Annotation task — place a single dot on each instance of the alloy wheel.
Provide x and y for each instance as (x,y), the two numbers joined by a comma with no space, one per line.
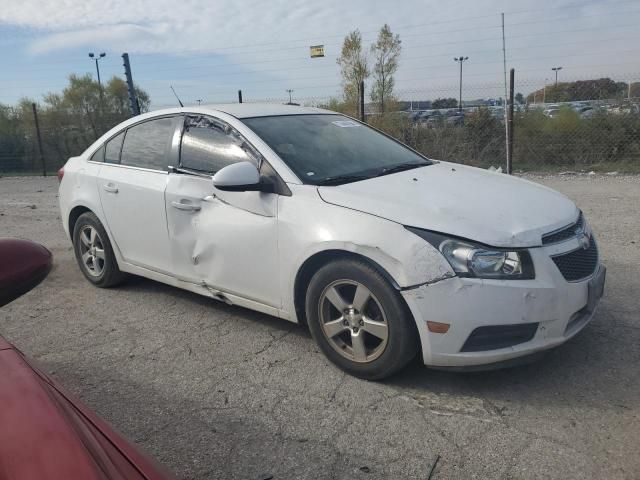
(353,321)
(91,251)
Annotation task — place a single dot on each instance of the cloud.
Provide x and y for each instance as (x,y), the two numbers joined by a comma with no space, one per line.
(263,45)
(121,35)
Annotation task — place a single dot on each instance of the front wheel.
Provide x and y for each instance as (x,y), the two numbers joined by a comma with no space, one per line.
(359,321)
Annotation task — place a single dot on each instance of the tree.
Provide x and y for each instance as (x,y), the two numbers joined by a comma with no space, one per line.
(353,68)
(596,89)
(69,122)
(444,103)
(386,52)
(519,98)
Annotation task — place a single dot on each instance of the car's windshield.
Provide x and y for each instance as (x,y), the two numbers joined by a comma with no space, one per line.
(333,149)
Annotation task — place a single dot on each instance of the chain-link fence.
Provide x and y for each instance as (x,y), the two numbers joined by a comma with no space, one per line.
(572,125)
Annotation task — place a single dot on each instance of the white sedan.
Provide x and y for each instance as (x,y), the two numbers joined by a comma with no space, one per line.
(316,218)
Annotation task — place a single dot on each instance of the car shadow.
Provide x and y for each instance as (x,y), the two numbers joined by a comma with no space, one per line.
(591,368)
(594,368)
(147,286)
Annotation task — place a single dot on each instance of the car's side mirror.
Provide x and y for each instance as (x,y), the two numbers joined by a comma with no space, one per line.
(23,265)
(237,177)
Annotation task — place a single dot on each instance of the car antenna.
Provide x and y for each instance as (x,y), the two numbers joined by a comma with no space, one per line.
(174,92)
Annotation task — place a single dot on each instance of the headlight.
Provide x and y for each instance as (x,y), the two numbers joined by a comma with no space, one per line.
(470,259)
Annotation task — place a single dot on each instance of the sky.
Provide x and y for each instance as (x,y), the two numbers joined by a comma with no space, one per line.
(207,50)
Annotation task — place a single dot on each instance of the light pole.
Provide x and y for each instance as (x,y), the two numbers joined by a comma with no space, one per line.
(96,58)
(289,91)
(556,69)
(460,60)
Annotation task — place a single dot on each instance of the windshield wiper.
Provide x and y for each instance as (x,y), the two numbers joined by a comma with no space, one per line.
(340,179)
(400,168)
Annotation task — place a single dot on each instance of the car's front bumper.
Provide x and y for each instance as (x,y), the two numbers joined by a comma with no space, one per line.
(560,308)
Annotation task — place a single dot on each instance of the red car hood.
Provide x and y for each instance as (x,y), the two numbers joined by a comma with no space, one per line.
(47,434)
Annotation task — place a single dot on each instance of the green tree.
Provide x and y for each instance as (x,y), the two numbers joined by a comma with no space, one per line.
(386,52)
(519,98)
(69,122)
(444,103)
(353,68)
(595,89)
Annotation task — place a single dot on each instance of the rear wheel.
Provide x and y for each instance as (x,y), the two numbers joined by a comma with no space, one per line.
(94,253)
(360,321)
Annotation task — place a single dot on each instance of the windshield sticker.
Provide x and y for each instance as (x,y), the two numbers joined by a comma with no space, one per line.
(346,123)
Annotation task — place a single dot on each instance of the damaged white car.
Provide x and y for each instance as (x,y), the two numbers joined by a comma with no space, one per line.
(316,218)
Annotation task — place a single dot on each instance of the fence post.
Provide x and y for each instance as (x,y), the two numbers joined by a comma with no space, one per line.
(361,102)
(510,123)
(239,96)
(35,117)
(133,99)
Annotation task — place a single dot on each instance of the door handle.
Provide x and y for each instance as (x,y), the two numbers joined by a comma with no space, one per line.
(110,187)
(188,207)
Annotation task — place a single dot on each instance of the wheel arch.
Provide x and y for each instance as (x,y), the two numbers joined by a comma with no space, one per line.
(319,259)
(74,214)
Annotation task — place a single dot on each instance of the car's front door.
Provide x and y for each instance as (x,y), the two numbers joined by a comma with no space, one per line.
(226,241)
(131,182)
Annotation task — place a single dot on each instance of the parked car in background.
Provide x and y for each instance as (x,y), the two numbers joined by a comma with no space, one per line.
(551,111)
(47,433)
(316,218)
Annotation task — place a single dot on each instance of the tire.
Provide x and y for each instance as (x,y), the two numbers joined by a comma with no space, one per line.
(94,253)
(354,339)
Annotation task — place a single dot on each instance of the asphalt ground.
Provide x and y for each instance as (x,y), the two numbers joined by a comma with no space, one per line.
(214,391)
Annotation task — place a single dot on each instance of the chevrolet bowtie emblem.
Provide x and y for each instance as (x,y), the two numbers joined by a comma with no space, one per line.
(584,240)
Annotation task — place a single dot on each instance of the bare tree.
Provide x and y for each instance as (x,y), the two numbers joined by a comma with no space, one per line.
(386,52)
(353,67)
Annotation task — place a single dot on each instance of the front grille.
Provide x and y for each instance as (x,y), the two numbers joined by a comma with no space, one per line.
(493,337)
(578,264)
(564,233)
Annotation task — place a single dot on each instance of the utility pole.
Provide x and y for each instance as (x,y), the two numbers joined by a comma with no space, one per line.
(460,60)
(544,91)
(504,70)
(556,69)
(289,91)
(133,100)
(239,96)
(510,123)
(35,118)
(361,102)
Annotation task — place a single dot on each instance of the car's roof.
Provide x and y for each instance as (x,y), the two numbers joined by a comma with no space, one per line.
(247,110)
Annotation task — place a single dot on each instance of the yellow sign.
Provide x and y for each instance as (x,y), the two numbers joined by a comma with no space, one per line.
(317,51)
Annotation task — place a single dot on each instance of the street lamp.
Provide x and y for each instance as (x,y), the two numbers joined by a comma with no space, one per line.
(460,59)
(556,69)
(289,91)
(96,58)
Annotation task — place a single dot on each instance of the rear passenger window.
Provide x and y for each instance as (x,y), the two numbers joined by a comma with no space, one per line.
(147,144)
(209,144)
(112,149)
(98,155)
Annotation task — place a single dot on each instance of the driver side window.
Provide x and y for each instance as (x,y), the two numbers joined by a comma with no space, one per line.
(209,144)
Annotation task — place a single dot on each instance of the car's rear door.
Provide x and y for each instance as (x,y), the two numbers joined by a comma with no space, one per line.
(131,182)
(224,240)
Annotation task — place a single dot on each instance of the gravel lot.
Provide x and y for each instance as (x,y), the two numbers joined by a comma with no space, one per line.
(214,391)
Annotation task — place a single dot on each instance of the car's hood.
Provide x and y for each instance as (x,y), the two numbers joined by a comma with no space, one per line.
(46,433)
(491,208)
